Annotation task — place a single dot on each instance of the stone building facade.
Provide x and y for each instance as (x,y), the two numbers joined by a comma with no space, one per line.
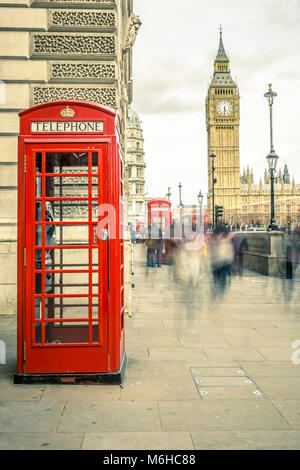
(244,202)
(255,199)
(52,50)
(135,169)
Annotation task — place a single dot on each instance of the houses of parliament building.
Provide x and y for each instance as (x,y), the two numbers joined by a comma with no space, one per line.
(244,201)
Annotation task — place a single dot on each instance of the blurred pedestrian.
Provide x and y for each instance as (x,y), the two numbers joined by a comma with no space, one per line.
(221,256)
(151,247)
(159,243)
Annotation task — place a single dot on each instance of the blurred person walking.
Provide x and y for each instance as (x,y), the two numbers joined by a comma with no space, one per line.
(151,247)
(221,256)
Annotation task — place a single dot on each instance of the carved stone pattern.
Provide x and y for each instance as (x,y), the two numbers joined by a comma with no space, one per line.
(83,70)
(82,18)
(75,209)
(79,44)
(75,1)
(106,96)
(79,169)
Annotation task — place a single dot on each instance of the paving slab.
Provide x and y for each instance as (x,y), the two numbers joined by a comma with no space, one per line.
(175,354)
(202,341)
(40,441)
(30,416)
(220,415)
(217,372)
(140,368)
(97,392)
(159,388)
(238,332)
(138,441)
(271,316)
(280,388)
(240,380)
(232,309)
(286,332)
(250,440)
(163,314)
(234,354)
(290,410)
(188,323)
(117,417)
(177,332)
(12,392)
(259,341)
(137,350)
(148,323)
(271,369)
(286,323)
(163,342)
(243,324)
(276,354)
(173,338)
(230,393)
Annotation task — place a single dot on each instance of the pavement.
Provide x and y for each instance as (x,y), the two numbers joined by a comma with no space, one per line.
(202,373)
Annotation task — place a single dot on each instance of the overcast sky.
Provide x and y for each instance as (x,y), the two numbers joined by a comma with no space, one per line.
(173,61)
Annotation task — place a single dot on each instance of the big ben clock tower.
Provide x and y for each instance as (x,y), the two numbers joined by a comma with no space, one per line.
(222,123)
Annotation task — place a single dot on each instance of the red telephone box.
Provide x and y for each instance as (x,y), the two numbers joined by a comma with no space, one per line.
(70,245)
(160,215)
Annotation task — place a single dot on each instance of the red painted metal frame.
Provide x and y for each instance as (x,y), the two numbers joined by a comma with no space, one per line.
(107,355)
(164,212)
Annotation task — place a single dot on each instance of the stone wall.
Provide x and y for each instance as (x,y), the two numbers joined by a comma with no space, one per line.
(265,252)
(52,50)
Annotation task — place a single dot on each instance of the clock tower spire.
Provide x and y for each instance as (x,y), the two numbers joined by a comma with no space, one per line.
(222,124)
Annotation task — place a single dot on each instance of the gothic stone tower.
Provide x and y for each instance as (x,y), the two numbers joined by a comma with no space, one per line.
(222,123)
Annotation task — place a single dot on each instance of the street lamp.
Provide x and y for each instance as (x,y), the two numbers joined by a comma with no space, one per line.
(213,156)
(272,158)
(200,200)
(180,203)
(169,193)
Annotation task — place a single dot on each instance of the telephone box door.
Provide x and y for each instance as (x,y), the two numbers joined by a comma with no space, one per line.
(66,298)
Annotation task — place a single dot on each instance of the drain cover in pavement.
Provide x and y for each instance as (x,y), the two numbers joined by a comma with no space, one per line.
(224,383)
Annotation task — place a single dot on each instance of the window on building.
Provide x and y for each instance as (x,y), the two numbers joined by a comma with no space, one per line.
(139,188)
(139,206)
(129,145)
(139,172)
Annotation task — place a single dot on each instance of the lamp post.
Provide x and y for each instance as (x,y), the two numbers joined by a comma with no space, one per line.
(200,200)
(272,158)
(169,193)
(213,156)
(180,203)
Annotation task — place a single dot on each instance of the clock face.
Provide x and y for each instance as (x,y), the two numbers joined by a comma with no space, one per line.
(224,108)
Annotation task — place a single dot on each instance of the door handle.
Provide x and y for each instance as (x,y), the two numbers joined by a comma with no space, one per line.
(104,235)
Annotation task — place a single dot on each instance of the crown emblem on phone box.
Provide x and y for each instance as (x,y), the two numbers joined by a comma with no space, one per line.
(67,112)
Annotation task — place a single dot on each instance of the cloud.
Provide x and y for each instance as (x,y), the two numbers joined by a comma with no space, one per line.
(173,63)
(166,86)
